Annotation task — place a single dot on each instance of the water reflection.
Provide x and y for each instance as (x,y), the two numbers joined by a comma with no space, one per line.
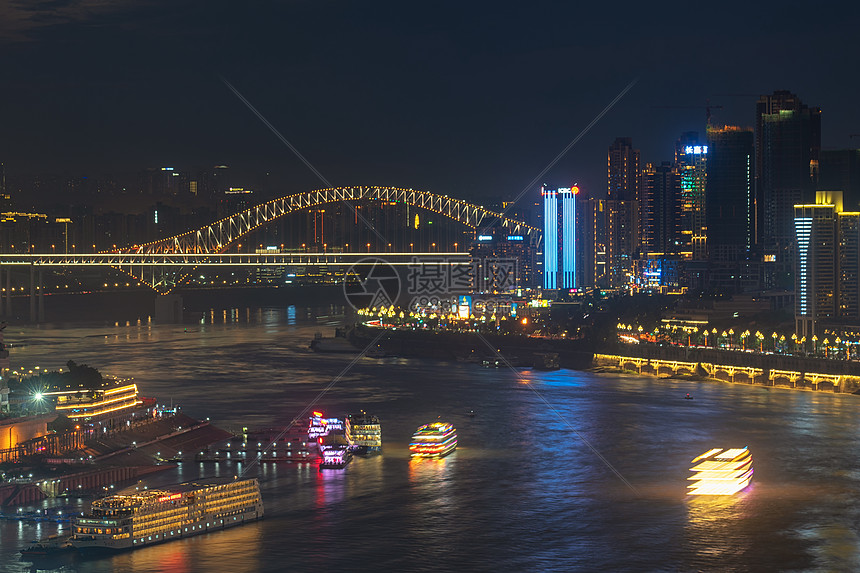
(526,494)
(330,487)
(432,480)
(715,526)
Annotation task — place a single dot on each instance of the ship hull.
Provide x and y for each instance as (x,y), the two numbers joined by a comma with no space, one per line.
(100,546)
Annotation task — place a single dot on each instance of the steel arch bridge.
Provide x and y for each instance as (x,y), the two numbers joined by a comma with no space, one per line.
(217,237)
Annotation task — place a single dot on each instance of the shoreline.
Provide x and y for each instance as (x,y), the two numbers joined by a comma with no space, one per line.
(749,376)
(576,355)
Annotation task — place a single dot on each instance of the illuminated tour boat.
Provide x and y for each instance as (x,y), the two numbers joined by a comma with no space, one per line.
(127,521)
(363,432)
(320,426)
(334,451)
(433,440)
(721,472)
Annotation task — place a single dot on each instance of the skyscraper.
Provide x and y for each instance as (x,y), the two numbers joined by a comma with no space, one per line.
(788,143)
(591,224)
(661,209)
(560,245)
(729,193)
(691,161)
(827,285)
(624,182)
(815,275)
(550,238)
(624,177)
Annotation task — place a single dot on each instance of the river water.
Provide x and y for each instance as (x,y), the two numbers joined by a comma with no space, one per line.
(556,471)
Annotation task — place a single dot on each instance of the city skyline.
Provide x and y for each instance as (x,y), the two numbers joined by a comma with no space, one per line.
(483,99)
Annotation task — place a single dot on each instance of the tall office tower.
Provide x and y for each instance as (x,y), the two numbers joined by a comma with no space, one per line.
(559,236)
(550,238)
(788,143)
(729,192)
(661,208)
(624,183)
(840,169)
(691,161)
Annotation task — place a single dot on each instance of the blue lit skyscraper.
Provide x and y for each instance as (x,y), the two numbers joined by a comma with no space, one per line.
(550,238)
(559,236)
(568,236)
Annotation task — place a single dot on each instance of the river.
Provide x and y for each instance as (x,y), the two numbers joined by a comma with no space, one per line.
(556,471)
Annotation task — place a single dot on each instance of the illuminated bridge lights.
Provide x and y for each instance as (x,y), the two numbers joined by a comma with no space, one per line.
(721,472)
(216,237)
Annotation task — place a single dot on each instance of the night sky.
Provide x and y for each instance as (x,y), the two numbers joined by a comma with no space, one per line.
(462,98)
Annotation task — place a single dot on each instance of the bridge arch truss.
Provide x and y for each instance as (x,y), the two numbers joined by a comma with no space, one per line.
(218,236)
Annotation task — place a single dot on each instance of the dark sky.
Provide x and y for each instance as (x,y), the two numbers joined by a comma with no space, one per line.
(471,99)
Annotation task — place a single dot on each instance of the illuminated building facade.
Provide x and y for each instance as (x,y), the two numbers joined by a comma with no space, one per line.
(501,261)
(560,244)
(691,163)
(826,265)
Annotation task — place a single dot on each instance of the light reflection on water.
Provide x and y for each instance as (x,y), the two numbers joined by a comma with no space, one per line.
(522,491)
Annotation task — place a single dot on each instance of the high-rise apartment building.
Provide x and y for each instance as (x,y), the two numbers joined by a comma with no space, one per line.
(729,208)
(788,143)
(828,255)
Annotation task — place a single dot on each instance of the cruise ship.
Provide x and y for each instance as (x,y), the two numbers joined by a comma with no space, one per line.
(721,472)
(127,521)
(434,440)
(363,432)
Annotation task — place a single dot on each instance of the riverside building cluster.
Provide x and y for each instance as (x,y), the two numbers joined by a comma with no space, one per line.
(758,210)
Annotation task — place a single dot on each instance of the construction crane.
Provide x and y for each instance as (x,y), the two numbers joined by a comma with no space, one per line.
(707,107)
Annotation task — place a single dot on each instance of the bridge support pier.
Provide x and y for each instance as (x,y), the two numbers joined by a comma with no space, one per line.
(168,309)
